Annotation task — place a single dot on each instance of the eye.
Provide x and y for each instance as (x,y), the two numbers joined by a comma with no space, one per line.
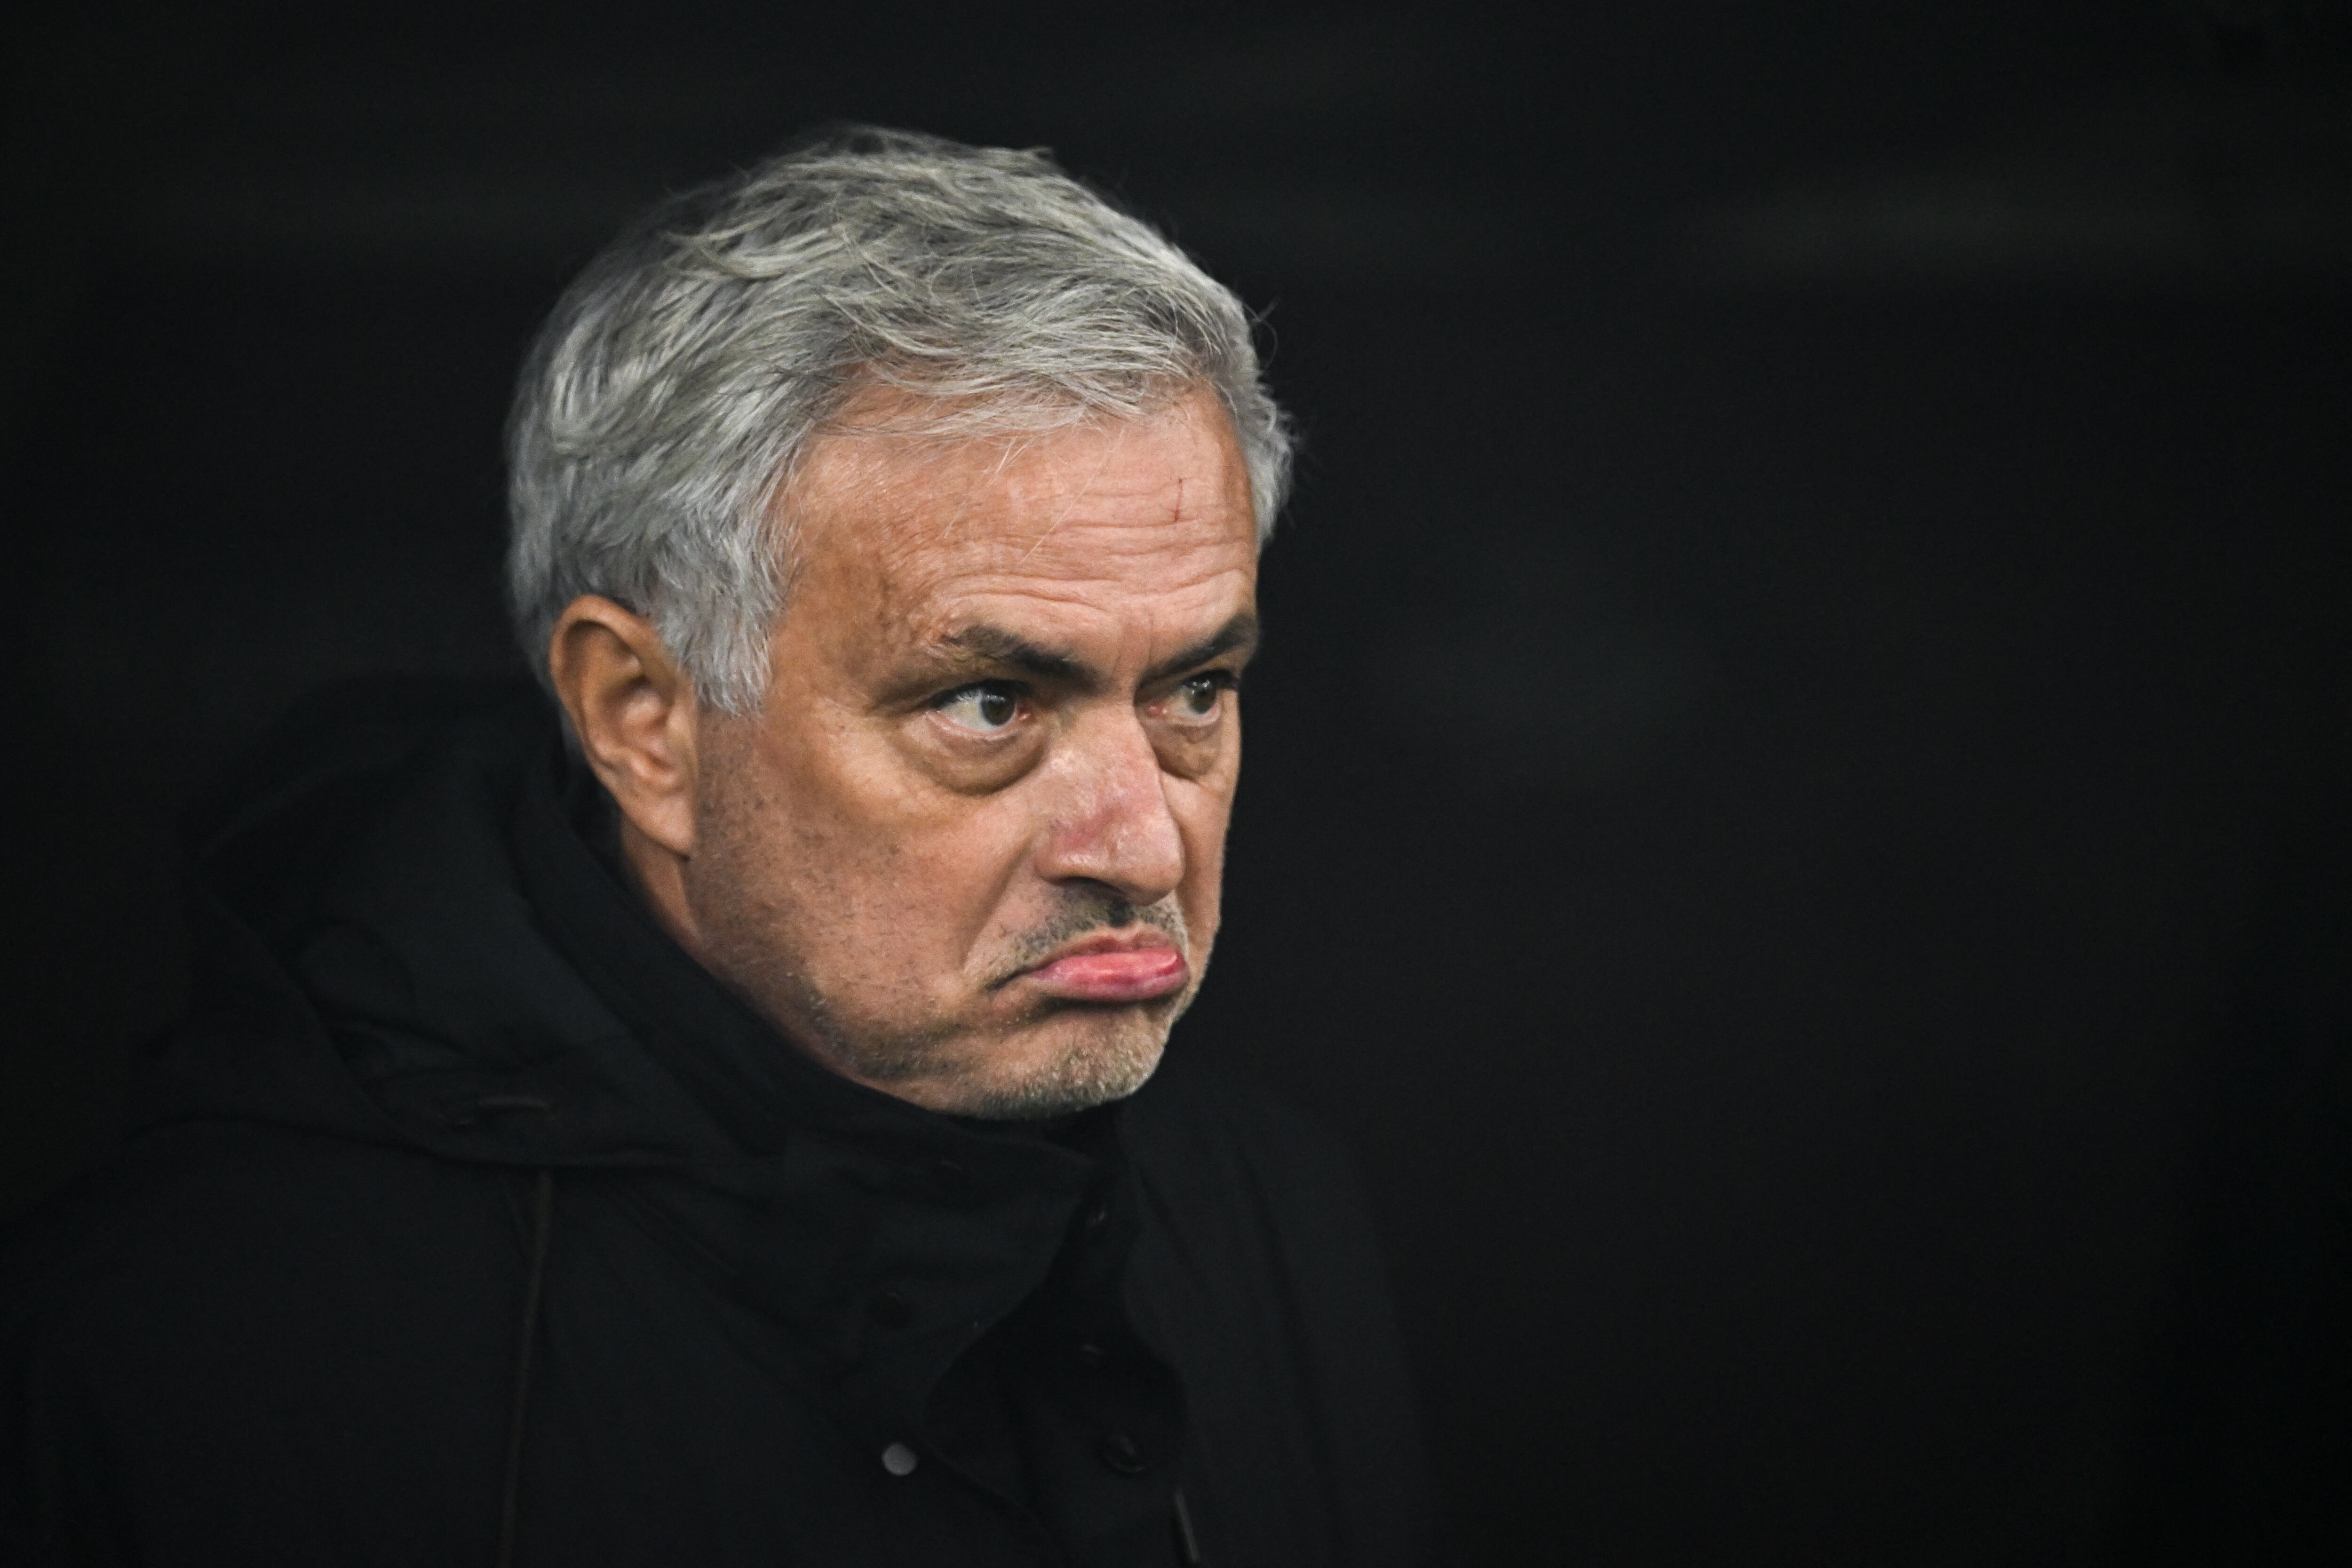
(1198,698)
(984,708)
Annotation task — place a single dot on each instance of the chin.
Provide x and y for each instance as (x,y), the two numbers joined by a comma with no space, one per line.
(1072,1060)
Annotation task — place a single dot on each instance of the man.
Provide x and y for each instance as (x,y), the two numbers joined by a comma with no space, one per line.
(713,1126)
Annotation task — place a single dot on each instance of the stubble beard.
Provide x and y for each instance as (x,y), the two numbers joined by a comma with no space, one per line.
(947,1064)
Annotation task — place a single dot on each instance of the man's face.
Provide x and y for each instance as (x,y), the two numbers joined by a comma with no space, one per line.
(969,850)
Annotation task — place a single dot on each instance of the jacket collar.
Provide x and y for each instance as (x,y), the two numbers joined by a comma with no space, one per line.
(891,1237)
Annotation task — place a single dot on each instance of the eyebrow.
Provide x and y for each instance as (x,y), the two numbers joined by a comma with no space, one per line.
(1240,633)
(997,646)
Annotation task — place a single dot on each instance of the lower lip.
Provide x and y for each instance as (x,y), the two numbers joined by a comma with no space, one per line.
(1137,976)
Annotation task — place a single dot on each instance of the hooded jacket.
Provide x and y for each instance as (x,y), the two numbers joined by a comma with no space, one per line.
(469,1220)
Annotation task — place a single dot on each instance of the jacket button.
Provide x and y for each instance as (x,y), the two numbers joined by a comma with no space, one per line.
(1098,1215)
(1090,1354)
(1120,1455)
(899,1459)
(890,1310)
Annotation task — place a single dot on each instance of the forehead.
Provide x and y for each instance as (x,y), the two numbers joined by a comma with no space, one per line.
(1146,519)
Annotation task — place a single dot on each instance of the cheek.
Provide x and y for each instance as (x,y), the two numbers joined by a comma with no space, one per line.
(784,833)
(1202,815)
(891,868)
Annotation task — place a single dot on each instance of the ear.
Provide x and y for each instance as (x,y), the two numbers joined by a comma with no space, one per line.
(634,712)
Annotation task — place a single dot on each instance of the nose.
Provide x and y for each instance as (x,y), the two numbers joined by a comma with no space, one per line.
(1110,819)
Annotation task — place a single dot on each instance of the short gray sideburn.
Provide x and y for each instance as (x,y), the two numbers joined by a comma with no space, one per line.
(679,378)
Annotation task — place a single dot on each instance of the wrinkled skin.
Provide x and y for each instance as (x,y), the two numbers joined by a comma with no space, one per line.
(1001,725)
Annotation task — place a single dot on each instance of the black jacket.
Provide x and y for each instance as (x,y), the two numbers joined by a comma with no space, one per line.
(470,1217)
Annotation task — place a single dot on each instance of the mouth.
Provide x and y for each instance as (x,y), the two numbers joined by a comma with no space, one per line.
(1112,968)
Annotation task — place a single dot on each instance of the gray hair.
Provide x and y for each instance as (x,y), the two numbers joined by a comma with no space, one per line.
(680,378)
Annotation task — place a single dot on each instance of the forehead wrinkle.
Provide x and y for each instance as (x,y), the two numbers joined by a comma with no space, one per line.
(1060,616)
(1118,438)
(935,559)
(906,469)
(908,485)
(1007,449)
(1080,563)
(1091,583)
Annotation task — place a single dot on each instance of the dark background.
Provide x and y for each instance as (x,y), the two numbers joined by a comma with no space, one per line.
(1796,804)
